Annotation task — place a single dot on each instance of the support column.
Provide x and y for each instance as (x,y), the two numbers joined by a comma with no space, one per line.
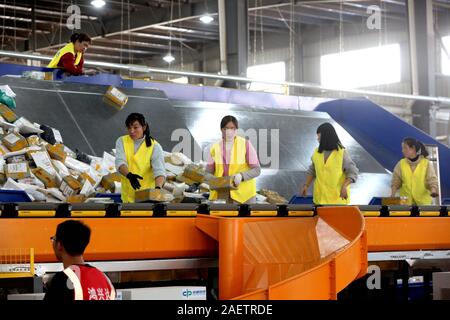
(236,39)
(423,64)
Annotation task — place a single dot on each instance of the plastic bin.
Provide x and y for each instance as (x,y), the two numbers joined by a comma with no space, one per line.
(115,196)
(297,199)
(13,196)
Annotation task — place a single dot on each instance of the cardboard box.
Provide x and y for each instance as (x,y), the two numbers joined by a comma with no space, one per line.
(79,198)
(7,113)
(221,183)
(14,141)
(57,152)
(47,179)
(394,201)
(70,186)
(108,181)
(17,170)
(34,141)
(115,98)
(153,195)
(83,177)
(194,173)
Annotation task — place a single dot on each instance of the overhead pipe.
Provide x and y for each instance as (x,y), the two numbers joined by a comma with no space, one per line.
(146,69)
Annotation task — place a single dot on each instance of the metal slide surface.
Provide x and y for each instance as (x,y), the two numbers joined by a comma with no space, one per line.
(88,124)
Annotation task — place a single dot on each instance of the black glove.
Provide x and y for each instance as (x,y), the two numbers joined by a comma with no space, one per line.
(134,180)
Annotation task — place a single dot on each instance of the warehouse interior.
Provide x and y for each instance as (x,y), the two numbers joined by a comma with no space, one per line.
(377,70)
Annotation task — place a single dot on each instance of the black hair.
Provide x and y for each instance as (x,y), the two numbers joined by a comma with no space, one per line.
(226,120)
(80,37)
(329,139)
(74,236)
(139,117)
(418,145)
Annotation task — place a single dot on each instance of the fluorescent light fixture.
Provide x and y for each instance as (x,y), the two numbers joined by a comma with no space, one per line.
(169,58)
(206,18)
(98,3)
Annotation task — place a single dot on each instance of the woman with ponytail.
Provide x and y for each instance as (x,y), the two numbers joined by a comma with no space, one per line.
(139,158)
(70,57)
(414,175)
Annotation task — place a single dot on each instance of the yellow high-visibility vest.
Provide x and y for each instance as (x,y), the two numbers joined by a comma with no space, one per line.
(413,183)
(137,163)
(68,48)
(238,164)
(330,178)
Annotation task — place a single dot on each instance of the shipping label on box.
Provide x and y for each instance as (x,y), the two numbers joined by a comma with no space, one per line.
(70,186)
(15,142)
(17,170)
(115,98)
(42,160)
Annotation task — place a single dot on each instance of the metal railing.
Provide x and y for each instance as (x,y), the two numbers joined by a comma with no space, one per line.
(204,75)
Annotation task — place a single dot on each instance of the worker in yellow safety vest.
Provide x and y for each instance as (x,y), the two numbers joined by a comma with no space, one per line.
(139,159)
(70,58)
(332,168)
(235,157)
(414,175)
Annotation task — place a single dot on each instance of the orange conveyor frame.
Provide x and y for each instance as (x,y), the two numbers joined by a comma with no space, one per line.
(228,238)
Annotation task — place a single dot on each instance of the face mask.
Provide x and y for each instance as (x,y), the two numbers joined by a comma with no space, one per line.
(230,134)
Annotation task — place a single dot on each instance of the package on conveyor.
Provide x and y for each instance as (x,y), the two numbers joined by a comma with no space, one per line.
(392,201)
(272,196)
(57,152)
(222,183)
(79,198)
(14,141)
(46,178)
(17,170)
(152,195)
(7,113)
(176,159)
(70,186)
(26,127)
(115,98)
(194,173)
(51,135)
(34,192)
(108,181)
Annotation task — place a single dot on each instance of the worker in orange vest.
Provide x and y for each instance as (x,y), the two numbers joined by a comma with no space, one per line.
(70,58)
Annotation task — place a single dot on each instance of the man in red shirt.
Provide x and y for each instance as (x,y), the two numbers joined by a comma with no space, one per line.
(70,58)
(79,280)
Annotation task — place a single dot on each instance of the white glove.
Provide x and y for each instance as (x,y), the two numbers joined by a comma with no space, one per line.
(237,179)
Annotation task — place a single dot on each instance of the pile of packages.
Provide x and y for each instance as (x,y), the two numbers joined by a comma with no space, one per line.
(33,158)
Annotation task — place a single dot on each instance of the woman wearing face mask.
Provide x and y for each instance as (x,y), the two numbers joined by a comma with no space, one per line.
(70,57)
(234,156)
(139,158)
(414,175)
(332,168)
